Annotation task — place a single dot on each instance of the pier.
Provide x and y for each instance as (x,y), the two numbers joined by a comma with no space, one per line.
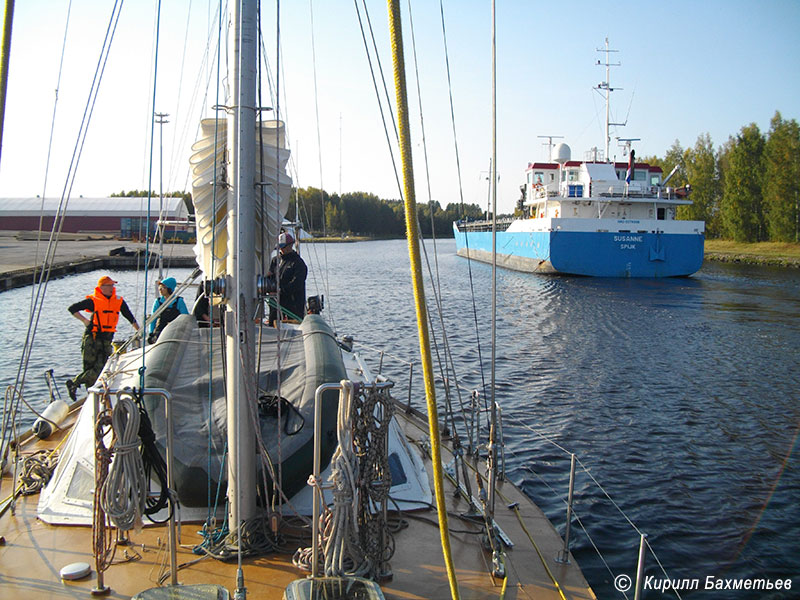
(21,256)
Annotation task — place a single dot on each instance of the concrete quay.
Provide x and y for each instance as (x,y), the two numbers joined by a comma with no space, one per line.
(78,253)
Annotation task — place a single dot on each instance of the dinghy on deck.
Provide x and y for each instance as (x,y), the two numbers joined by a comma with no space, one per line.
(179,363)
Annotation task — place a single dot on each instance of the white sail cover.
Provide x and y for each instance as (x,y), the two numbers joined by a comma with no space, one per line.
(211,199)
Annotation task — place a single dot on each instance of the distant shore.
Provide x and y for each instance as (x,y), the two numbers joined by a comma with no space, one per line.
(773,254)
(79,253)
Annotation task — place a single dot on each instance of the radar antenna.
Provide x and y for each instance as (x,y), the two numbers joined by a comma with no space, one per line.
(549,143)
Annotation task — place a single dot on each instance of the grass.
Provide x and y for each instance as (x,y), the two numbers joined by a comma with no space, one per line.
(785,253)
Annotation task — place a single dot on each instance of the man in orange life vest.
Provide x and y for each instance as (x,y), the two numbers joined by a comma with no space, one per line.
(105,307)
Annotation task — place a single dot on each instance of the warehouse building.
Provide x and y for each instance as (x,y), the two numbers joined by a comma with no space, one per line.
(121,216)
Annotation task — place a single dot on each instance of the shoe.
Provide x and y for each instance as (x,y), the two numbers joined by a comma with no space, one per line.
(71,389)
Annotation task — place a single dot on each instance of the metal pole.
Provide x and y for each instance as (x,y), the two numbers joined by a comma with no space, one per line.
(410,381)
(640,567)
(492,174)
(317,443)
(5,60)
(563,556)
(100,588)
(161,118)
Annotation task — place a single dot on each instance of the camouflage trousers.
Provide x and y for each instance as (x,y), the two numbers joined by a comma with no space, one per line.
(95,351)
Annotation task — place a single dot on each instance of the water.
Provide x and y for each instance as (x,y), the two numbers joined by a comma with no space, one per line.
(680,396)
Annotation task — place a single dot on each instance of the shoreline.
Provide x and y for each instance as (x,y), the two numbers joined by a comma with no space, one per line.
(89,253)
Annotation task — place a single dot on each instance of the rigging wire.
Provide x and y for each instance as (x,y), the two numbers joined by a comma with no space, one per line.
(380,104)
(150,180)
(461,194)
(10,417)
(435,281)
(325,269)
(49,150)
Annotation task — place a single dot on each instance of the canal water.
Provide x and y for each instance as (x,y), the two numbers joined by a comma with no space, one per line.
(678,397)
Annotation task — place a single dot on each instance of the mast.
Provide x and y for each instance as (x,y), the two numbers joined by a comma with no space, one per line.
(606,85)
(5,59)
(239,328)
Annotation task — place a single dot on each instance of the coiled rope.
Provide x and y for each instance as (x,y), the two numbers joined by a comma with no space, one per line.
(356,538)
(124,491)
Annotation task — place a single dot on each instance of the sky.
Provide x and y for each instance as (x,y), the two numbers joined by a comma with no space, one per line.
(686,68)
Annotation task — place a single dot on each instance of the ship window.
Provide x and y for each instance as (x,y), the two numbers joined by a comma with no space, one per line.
(552,177)
(538,178)
(655,180)
(575,191)
(573,175)
(661,214)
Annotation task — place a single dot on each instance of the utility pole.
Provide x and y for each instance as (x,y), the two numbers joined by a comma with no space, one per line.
(161,118)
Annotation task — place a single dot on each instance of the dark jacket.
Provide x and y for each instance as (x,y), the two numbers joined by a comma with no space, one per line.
(292,273)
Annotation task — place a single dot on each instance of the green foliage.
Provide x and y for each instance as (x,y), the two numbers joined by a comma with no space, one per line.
(741,208)
(700,168)
(781,187)
(363,213)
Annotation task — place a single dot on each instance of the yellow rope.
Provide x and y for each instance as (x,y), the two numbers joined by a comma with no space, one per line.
(395,30)
(539,552)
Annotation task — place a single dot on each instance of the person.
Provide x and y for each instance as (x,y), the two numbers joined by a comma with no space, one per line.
(177,307)
(288,269)
(202,309)
(105,307)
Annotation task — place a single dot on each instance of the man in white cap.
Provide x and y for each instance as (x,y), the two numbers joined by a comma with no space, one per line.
(105,307)
(290,278)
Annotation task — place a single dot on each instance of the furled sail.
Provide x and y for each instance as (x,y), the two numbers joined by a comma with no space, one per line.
(211,196)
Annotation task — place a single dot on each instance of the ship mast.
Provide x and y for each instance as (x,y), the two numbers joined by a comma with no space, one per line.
(239,327)
(606,85)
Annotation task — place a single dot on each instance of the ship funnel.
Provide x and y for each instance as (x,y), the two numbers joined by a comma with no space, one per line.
(561,153)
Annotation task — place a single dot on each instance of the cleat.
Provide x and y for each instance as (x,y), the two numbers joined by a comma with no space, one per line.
(71,389)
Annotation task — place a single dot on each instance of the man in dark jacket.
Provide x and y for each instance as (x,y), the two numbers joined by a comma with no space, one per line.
(105,307)
(288,269)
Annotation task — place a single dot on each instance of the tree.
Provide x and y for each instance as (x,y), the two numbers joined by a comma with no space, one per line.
(782,179)
(675,156)
(700,166)
(741,210)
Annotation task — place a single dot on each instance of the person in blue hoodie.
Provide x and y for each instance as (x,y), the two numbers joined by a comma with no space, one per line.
(177,307)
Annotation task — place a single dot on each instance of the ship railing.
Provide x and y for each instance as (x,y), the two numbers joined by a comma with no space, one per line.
(623,583)
(482,225)
(475,423)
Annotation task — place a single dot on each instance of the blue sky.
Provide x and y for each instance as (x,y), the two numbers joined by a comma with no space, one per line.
(687,68)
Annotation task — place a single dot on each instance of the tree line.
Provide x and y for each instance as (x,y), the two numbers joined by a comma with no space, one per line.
(364,213)
(748,189)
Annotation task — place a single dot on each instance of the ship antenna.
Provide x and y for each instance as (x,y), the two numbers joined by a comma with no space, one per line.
(606,85)
(549,143)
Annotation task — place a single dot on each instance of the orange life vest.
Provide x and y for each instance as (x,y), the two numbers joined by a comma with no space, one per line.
(106,311)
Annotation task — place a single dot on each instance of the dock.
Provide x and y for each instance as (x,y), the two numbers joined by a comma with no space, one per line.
(21,256)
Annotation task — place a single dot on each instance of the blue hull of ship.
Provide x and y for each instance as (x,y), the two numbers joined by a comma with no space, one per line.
(596,254)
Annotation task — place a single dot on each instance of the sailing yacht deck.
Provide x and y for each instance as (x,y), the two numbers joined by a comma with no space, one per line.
(34,552)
